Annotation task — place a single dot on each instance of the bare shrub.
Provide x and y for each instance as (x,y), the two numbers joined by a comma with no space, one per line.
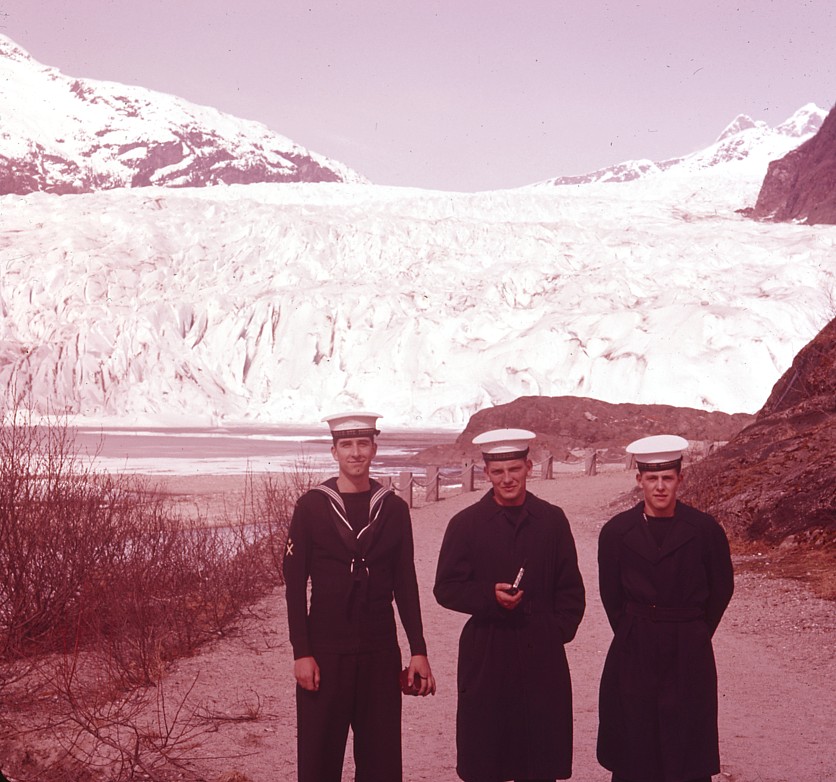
(61,536)
(269,508)
(94,731)
(102,584)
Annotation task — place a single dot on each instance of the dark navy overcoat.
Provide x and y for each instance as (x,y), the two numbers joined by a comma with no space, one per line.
(514,718)
(658,694)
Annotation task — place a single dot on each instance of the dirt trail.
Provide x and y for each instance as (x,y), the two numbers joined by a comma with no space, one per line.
(775,653)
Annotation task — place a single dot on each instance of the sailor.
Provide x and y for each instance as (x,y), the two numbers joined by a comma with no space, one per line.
(350,539)
(666,578)
(509,561)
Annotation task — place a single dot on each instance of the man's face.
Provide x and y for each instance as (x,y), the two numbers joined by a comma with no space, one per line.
(354,455)
(508,479)
(660,490)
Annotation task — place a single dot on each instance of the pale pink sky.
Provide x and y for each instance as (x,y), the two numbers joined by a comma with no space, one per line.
(461,94)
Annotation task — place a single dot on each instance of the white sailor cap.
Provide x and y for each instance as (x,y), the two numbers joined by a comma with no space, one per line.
(504,444)
(659,452)
(360,424)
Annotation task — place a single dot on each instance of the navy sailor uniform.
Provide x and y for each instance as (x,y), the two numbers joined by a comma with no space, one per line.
(349,627)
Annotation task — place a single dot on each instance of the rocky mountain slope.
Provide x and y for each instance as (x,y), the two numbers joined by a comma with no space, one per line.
(776,479)
(62,135)
(801,186)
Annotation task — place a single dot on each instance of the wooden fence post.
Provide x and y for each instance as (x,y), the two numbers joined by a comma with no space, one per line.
(432,484)
(591,464)
(548,468)
(467,477)
(405,487)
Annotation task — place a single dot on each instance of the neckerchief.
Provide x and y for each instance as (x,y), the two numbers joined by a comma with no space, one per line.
(360,543)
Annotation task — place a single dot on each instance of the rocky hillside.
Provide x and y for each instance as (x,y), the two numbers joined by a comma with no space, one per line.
(801,186)
(776,479)
(568,427)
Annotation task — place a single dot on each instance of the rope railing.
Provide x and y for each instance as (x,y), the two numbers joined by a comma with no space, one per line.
(434,480)
(468,481)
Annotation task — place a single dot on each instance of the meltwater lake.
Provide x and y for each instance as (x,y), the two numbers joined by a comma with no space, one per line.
(238,449)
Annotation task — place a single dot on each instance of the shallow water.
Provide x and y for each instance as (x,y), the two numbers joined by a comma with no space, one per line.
(237,450)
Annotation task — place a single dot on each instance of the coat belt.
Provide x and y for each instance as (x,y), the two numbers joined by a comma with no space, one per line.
(664,613)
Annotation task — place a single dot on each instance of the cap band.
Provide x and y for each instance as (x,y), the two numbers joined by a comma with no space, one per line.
(659,466)
(505,456)
(342,434)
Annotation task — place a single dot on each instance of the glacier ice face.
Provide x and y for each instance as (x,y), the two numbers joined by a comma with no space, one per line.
(272,303)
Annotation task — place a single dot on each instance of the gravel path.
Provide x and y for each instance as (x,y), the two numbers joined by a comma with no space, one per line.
(775,653)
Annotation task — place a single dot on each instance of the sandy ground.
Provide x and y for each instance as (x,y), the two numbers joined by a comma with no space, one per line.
(775,656)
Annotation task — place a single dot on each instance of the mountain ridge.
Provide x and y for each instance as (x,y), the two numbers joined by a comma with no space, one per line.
(66,135)
(743,139)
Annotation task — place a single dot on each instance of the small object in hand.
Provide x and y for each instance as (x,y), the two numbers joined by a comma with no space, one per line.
(416,683)
(515,587)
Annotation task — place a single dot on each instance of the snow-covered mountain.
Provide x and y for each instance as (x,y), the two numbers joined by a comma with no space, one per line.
(60,134)
(801,186)
(279,302)
(744,138)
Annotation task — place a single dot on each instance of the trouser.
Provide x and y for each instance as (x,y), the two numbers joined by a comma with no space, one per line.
(360,691)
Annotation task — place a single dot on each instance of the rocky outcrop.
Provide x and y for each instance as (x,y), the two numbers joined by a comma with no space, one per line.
(801,186)
(567,426)
(776,479)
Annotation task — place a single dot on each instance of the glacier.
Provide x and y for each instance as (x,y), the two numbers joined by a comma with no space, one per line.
(279,303)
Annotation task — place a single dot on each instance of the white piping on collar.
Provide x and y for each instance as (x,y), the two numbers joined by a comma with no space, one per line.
(375,505)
